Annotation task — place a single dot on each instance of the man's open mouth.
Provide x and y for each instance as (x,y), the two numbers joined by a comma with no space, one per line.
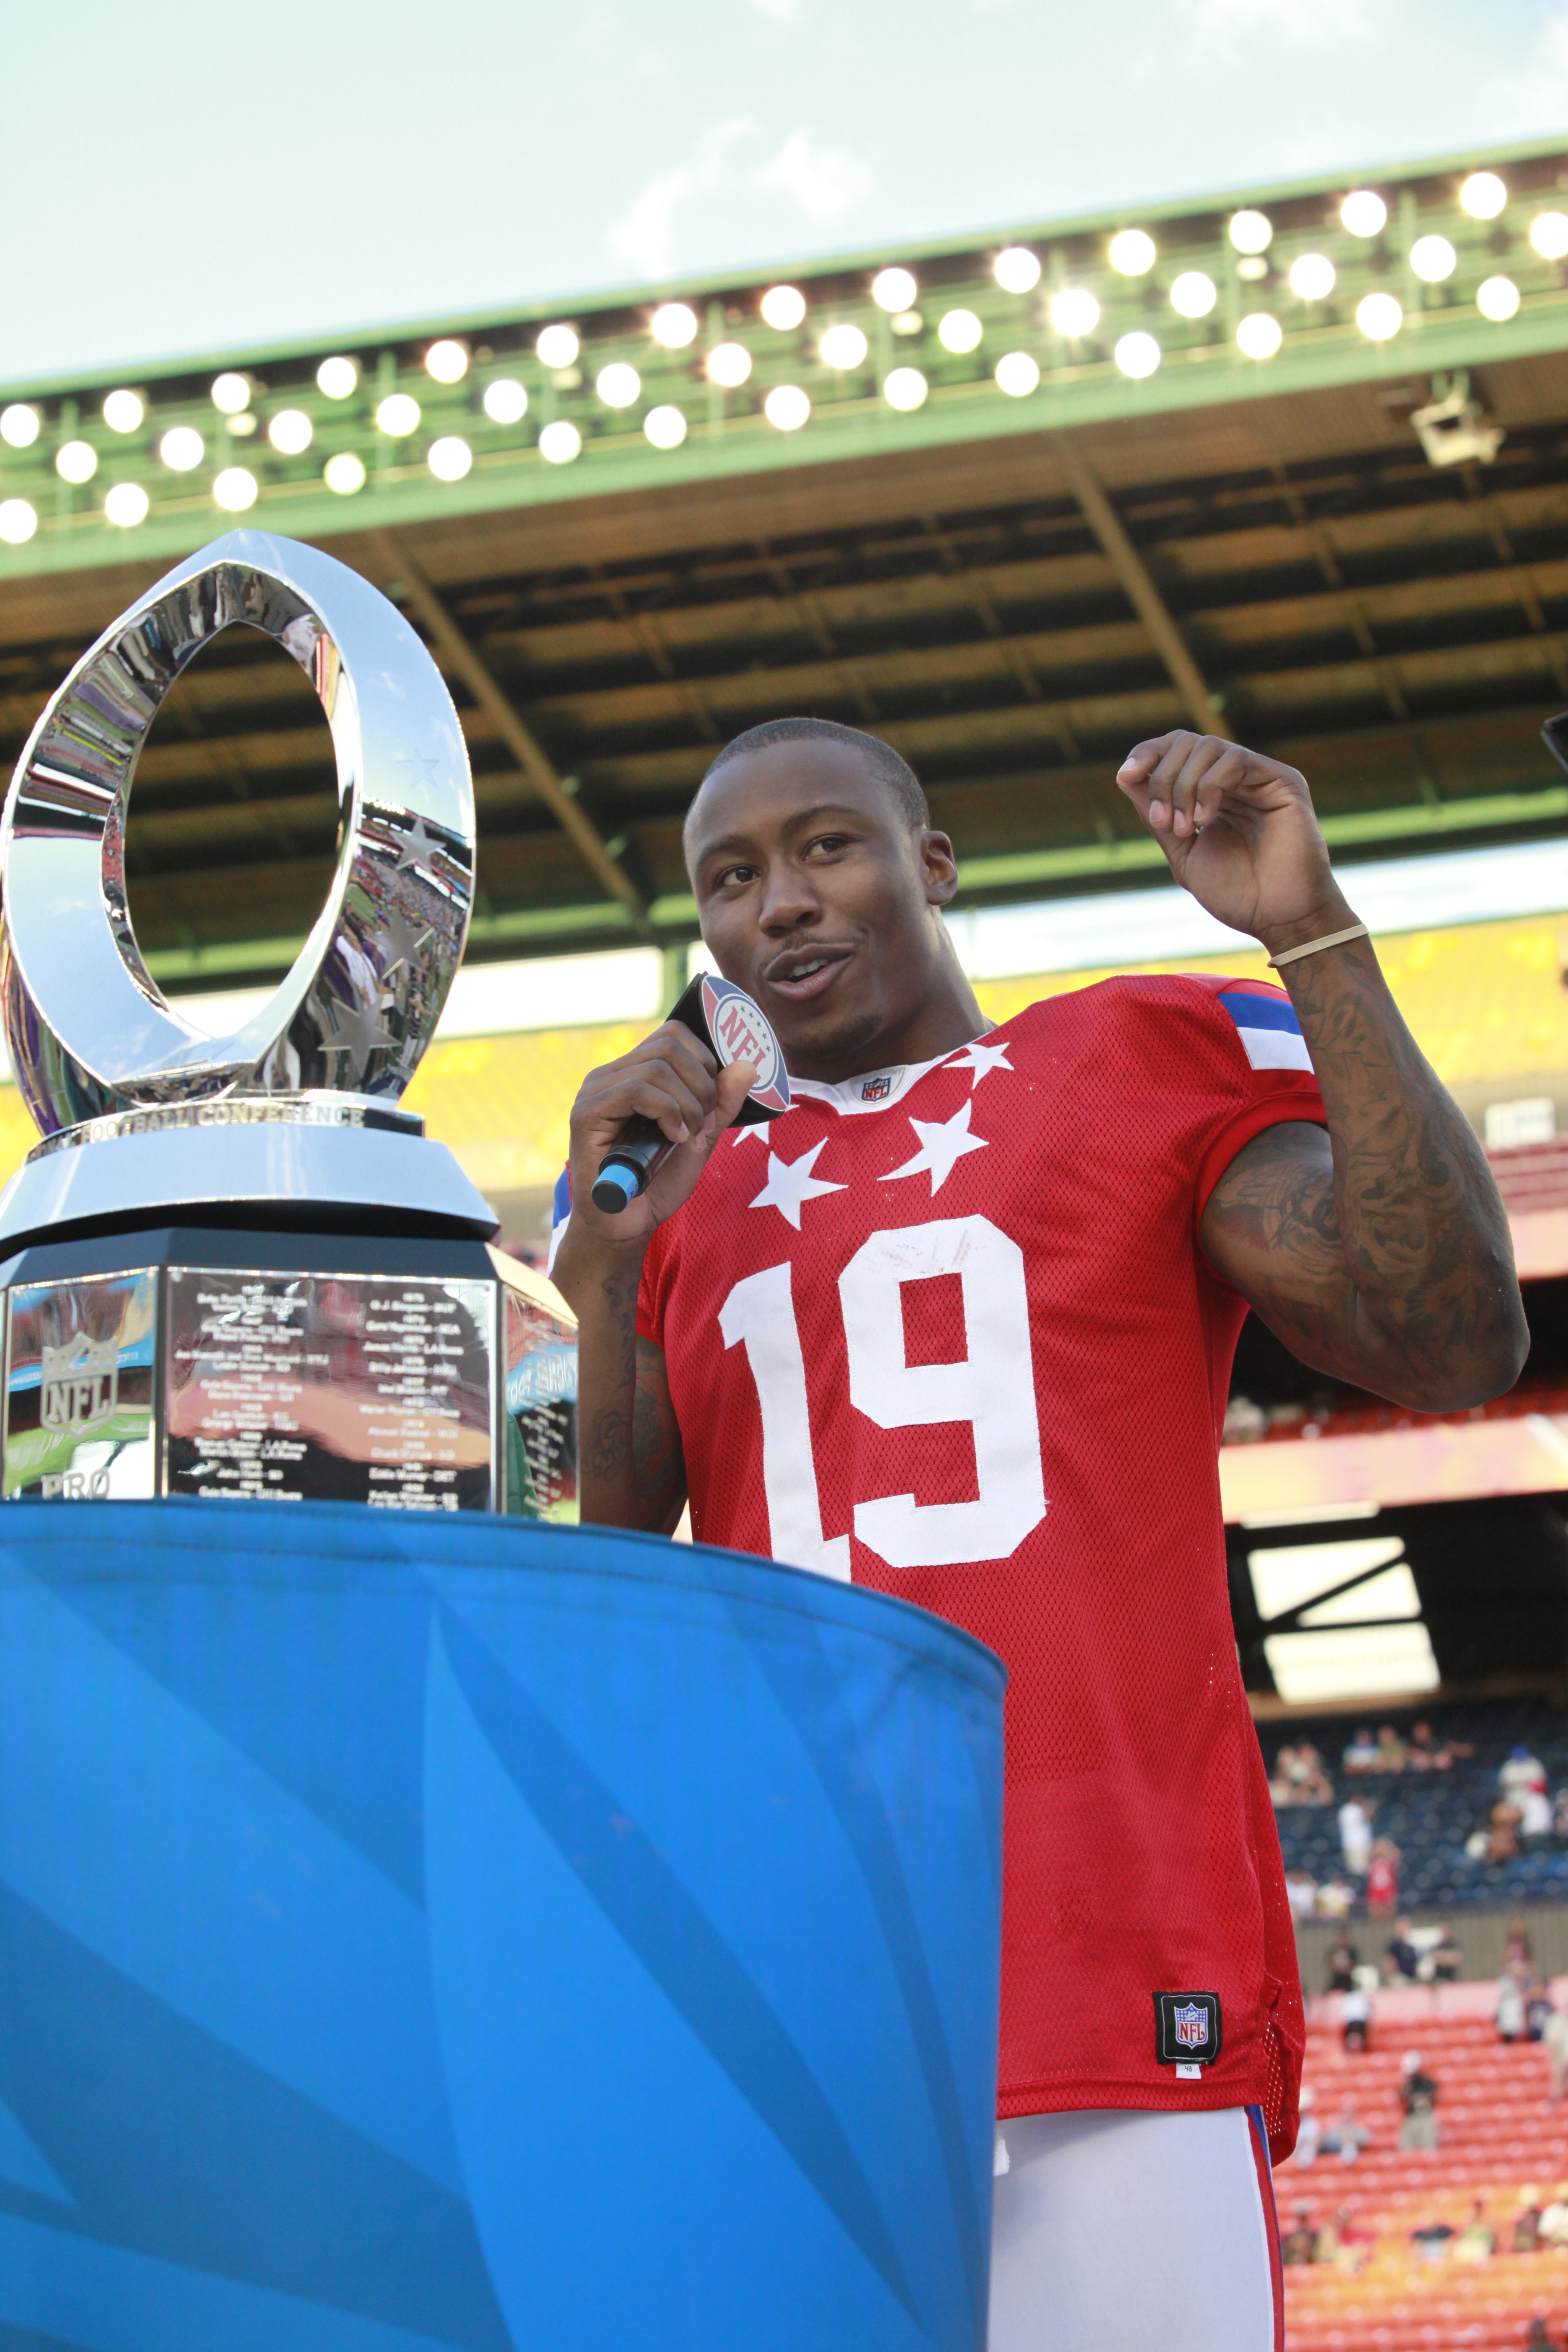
(806,972)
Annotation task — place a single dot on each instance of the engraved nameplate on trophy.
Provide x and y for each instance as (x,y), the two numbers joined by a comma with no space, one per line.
(539,1354)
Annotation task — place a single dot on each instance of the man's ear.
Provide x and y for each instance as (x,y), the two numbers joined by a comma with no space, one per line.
(939,866)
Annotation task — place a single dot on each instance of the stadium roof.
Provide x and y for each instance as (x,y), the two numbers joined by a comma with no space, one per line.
(1011,587)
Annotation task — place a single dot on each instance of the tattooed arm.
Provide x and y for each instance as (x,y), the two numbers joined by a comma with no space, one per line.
(1379,1253)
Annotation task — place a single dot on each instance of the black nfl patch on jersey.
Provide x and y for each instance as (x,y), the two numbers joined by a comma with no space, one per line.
(1186,2028)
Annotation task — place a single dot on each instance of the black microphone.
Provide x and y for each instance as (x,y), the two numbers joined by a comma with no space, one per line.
(726,1019)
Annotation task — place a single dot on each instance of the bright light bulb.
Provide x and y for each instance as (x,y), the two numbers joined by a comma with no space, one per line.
(244,425)
(449,458)
(1549,236)
(959,331)
(19,425)
(1312,277)
(1132,252)
(1074,312)
(557,348)
(905,388)
(893,289)
(1379,316)
(783,306)
(1363,212)
(665,427)
(336,378)
(231,392)
(290,432)
(448,361)
(181,448)
(560,442)
(345,473)
(506,401)
(1018,269)
(77,462)
(126,505)
(728,364)
(674,324)
(123,412)
(1260,335)
(1137,354)
(1017,374)
(1251,232)
(398,415)
(18,521)
(618,385)
(1433,259)
(1193,294)
(1497,298)
(1483,195)
(843,347)
(235,488)
(787,407)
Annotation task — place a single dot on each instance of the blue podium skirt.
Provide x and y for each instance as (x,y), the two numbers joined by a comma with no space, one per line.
(478,1934)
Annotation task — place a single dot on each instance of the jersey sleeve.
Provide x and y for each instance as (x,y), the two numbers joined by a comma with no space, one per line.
(1261,1046)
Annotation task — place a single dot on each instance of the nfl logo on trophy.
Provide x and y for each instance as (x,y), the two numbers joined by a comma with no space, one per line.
(80,1383)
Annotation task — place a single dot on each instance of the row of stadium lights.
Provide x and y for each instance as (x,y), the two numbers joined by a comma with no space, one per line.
(1074,312)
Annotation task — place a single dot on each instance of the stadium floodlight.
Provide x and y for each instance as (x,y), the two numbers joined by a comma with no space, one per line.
(728,364)
(230,391)
(122,411)
(1260,335)
(1018,269)
(560,442)
(1433,259)
(337,377)
(1312,277)
(506,400)
(18,521)
(557,348)
(1498,298)
(1483,195)
(787,407)
(126,505)
(958,330)
(893,289)
(77,461)
(905,388)
(1251,232)
(1074,312)
(345,473)
(674,324)
(1193,294)
(290,432)
(618,385)
(398,415)
(448,361)
(1379,316)
(783,307)
(181,448)
(235,488)
(665,426)
(449,458)
(1549,236)
(244,425)
(1018,374)
(1363,212)
(1137,354)
(19,425)
(844,347)
(1131,252)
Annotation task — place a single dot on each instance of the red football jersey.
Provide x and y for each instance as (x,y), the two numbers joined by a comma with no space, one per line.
(949,1331)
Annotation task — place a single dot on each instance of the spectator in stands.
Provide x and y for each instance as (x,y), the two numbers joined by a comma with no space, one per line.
(1308,1779)
(1519,1952)
(1511,1995)
(1431,2239)
(1344,2241)
(1299,2244)
(1560,1816)
(1426,1754)
(1355,2009)
(1526,2238)
(1444,1958)
(1521,1771)
(1300,1893)
(1361,1756)
(1554,2033)
(1390,1750)
(1418,2098)
(1555,2217)
(1355,1835)
(1310,2129)
(1477,2242)
(1499,1842)
(1335,1899)
(1341,1963)
(1383,1877)
(1347,2135)
(1401,1957)
(1538,2339)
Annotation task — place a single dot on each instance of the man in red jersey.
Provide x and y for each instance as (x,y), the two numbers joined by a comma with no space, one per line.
(960,1326)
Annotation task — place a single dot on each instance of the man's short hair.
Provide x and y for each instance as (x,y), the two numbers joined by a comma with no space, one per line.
(881,759)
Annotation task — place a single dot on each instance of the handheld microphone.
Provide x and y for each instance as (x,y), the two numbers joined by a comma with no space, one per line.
(725,1018)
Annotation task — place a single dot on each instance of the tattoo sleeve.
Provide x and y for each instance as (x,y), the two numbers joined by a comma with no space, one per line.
(631,1471)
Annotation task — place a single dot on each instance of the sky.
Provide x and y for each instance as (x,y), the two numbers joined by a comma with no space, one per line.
(193,179)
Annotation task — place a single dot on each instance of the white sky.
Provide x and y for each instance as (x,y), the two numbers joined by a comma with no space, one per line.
(192,178)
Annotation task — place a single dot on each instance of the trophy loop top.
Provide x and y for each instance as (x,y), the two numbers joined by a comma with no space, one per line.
(89,1030)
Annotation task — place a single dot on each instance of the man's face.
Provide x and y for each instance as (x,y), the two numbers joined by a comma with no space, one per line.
(817,896)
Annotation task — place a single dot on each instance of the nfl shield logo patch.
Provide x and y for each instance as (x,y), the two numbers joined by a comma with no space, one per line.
(1186,2028)
(1192,2026)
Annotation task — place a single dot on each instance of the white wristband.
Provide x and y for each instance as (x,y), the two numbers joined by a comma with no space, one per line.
(1315,947)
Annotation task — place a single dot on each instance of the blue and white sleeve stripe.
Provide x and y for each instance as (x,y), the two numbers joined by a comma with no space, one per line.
(560,1216)
(1269,1032)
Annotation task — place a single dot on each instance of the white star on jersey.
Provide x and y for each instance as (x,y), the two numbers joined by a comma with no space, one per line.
(982,1059)
(943,1143)
(791,1183)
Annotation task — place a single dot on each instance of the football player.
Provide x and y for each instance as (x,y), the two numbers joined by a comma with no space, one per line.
(959,1326)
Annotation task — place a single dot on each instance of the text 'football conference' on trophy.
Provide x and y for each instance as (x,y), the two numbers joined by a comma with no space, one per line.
(233,1265)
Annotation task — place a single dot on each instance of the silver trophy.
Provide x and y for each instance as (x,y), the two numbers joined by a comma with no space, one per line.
(233,1265)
